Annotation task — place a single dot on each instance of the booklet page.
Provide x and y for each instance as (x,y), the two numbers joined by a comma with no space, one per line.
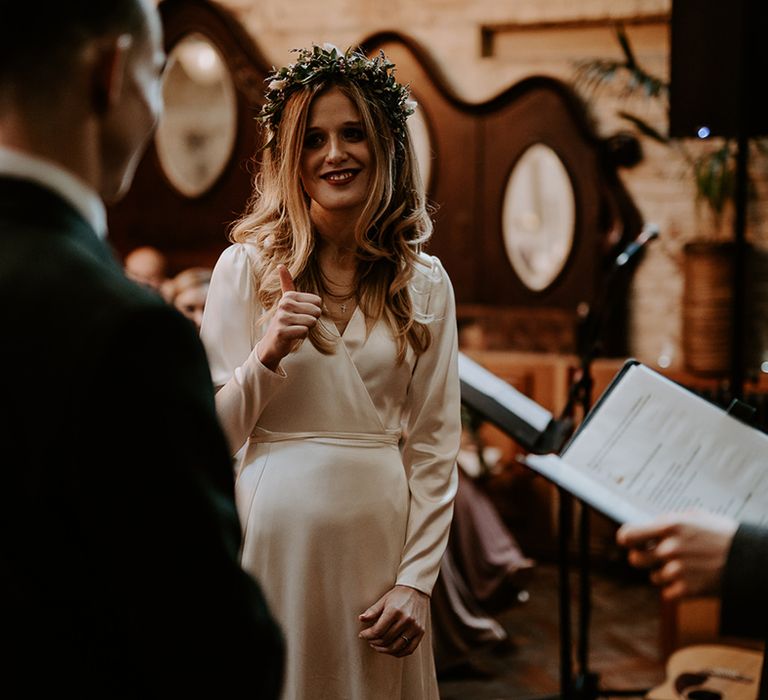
(653,447)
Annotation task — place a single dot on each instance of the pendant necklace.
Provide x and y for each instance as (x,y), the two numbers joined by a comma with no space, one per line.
(341,301)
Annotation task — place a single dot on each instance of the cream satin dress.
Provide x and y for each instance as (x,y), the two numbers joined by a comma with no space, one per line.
(335,511)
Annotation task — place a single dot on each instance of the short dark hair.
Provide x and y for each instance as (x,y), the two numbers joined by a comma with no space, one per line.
(38,41)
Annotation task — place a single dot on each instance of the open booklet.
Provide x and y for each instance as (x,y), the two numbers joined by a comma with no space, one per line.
(650,446)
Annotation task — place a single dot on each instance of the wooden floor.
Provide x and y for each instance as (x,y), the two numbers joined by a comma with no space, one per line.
(623,641)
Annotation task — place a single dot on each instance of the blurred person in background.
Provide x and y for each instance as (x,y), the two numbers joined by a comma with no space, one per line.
(188,292)
(147,266)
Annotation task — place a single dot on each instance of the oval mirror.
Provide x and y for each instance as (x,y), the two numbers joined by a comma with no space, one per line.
(196,133)
(539,217)
(422,144)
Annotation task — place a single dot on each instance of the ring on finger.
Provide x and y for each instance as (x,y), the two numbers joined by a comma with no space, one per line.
(407,641)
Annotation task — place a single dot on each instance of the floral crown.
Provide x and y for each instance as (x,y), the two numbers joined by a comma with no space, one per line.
(375,76)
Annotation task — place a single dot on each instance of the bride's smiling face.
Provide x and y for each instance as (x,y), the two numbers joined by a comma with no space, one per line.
(336,160)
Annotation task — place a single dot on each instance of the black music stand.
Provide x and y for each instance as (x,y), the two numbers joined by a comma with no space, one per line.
(585,685)
(539,432)
(533,427)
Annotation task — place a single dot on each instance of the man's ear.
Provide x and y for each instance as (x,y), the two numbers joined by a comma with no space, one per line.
(110,60)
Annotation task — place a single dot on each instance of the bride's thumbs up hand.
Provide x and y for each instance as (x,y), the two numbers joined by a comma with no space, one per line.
(296,313)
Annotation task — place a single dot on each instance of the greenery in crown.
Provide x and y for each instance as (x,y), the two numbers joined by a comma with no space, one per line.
(375,76)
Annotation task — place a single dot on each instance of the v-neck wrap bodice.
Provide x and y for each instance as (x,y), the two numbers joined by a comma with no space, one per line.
(360,385)
(353,447)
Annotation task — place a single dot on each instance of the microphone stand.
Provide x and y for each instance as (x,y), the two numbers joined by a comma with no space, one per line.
(585,685)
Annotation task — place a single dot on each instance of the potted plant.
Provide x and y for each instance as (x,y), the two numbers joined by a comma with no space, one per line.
(711,163)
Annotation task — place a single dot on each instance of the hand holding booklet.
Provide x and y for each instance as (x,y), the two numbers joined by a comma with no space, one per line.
(650,446)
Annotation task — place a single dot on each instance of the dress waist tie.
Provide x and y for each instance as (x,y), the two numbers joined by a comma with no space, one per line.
(329,437)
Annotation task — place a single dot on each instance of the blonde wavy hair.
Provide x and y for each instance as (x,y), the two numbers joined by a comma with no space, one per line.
(389,233)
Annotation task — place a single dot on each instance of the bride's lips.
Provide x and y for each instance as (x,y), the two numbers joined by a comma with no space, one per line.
(340,177)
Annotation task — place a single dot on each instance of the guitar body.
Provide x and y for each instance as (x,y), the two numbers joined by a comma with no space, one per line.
(711,672)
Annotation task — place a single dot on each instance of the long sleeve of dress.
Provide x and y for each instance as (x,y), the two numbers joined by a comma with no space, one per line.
(433,432)
(229,332)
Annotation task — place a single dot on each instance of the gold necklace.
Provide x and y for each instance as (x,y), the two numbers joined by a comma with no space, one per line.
(339,300)
(342,304)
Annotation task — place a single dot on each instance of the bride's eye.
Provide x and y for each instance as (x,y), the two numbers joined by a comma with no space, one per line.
(314,139)
(354,133)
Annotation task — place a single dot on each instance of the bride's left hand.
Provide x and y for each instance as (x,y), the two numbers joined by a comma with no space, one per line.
(395,623)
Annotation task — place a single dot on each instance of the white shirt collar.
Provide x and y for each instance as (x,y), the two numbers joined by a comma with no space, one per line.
(53,177)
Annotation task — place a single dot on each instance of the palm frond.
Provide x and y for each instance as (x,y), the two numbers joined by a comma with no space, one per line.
(645,128)
(596,73)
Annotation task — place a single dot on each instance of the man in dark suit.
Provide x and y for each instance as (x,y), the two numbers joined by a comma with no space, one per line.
(699,553)
(119,541)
